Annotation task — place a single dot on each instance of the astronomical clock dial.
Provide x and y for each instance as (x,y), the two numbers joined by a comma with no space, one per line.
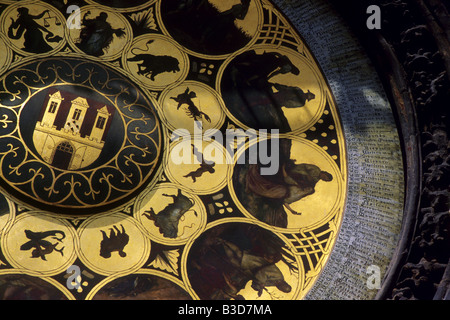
(173,150)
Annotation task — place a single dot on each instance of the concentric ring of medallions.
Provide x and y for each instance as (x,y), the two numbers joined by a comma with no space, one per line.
(124,249)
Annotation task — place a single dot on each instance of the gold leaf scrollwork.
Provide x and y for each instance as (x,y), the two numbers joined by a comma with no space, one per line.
(4,121)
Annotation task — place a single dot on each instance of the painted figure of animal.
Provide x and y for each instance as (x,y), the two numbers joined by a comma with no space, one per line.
(42,247)
(116,241)
(150,65)
(168,219)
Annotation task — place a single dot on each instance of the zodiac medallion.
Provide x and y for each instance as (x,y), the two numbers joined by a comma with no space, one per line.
(43,247)
(34,28)
(156,61)
(103,33)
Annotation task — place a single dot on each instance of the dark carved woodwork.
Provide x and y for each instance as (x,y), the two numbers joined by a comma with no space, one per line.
(412,54)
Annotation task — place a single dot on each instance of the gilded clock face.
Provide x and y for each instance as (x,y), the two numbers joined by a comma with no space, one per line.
(143,155)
